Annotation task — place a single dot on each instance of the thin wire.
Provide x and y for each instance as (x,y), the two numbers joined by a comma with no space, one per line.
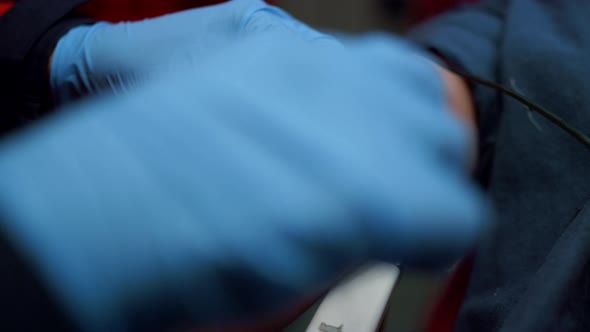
(577,134)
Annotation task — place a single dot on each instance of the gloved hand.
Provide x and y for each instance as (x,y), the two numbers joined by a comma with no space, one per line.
(115,57)
(211,196)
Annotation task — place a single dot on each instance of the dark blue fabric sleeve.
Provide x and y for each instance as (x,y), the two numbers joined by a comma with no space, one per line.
(470,38)
(29,31)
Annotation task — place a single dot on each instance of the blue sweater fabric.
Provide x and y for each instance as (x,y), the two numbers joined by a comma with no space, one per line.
(531,272)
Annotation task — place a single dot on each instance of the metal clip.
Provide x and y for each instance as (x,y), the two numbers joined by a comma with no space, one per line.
(329,328)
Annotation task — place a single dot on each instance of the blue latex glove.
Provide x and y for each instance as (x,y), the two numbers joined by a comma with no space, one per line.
(212,196)
(115,57)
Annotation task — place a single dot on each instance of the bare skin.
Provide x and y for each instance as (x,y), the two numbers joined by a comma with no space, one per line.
(461,104)
(459,97)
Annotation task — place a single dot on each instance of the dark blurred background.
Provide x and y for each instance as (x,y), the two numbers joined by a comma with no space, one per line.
(348,15)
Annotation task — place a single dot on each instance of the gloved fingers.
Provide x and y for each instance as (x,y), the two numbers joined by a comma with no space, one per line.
(117,57)
(421,83)
(269,18)
(432,217)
